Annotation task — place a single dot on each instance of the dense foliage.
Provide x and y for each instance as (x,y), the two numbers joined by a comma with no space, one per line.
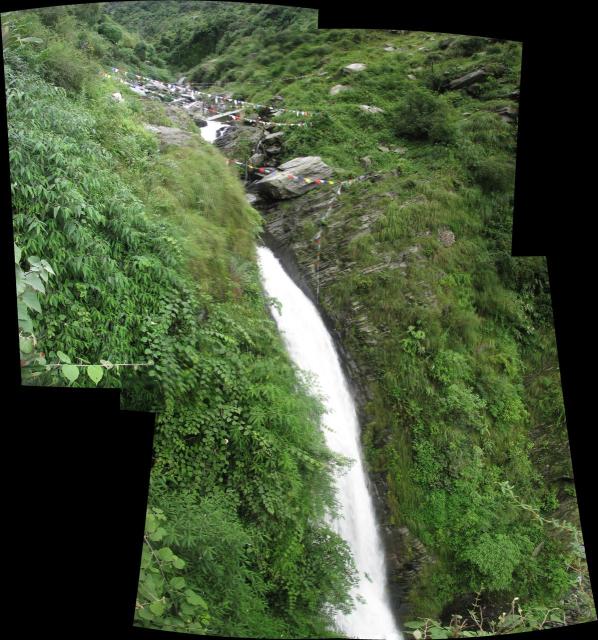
(464,378)
(141,266)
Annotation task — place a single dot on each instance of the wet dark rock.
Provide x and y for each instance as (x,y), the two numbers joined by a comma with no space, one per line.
(466,80)
(273,138)
(234,135)
(257,159)
(508,113)
(280,186)
(199,121)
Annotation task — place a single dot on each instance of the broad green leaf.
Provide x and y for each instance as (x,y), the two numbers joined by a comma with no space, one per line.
(186,608)
(165,554)
(195,599)
(17,253)
(145,559)
(30,299)
(33,260)
(178,582)
(144,614)
(20,280)
(413,624)
(158,534)
(26,324)
(179,563)
(95,372)
(70,372)
(47,267)
(22,310)
(34,281)
(157,608)
(63,357)
(150,523)
(25,344)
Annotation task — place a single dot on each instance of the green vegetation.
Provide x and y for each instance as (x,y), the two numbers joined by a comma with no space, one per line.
(465,425)
(142,271)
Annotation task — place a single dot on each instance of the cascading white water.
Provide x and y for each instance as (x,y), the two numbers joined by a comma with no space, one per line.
(312,349)
(208,132)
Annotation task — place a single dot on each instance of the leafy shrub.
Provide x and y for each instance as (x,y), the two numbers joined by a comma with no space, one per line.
(450,367)
(493,173)
(422,115)
(468,45)
(87,13)
(65,66)
(52,16)
(140,50)
(111,31)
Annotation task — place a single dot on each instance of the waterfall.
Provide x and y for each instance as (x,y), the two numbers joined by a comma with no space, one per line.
(312,349)
(209,131)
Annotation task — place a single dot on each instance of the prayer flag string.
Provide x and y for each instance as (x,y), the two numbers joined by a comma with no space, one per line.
(174,87)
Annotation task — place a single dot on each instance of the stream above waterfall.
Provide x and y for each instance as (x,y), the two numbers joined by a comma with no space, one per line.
(210,130)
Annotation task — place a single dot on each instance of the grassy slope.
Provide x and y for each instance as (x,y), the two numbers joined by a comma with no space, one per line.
(154,260)
(465,375)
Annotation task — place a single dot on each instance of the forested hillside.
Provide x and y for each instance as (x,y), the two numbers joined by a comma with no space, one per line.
(151,260)
(136,267)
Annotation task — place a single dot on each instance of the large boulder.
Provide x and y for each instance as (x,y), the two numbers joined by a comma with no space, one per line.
(281,185)
(236,135)
(369,109)
(466,80)
(156,85)
(193,107)
(507,113)
(338,88)
(199,121)
(138,89)
(170,135)
(356,67)
(273,139)
(257,159)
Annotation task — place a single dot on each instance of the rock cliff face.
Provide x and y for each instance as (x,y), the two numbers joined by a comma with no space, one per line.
(285,233)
